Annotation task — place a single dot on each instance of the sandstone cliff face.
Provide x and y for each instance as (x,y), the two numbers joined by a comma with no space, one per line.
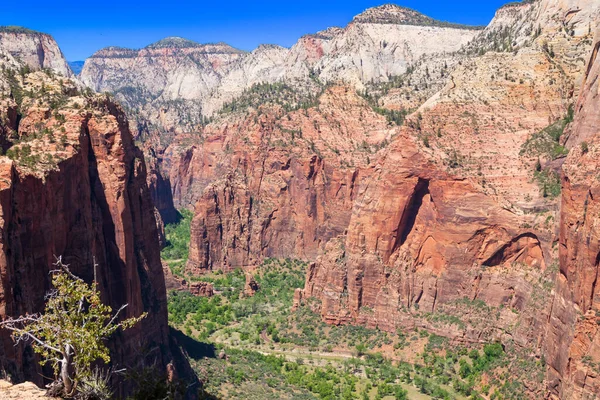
(574,346)
(377,44)
(158,79)
(422,244)
(285,183)
(559,30)
(35,49)
(159,185)
(75,186)
(452,231)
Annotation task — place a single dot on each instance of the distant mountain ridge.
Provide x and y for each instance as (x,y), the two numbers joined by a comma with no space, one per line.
(176,83)
(394,14)
(173,41)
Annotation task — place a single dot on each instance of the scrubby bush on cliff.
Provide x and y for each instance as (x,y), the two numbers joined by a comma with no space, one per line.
(70,334)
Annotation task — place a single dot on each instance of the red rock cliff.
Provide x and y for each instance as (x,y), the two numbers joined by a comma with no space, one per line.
(283,183)
(75,186)
(452,232)
(573,344)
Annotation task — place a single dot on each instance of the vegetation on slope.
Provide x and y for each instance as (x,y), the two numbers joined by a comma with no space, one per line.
(278,93)
(393,14)
(546,144)
(269,352)
(394,117)
(39,149)
(175,253)
(18,29)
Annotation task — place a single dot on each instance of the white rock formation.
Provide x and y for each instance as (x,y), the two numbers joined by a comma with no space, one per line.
(174,82)
(37,50)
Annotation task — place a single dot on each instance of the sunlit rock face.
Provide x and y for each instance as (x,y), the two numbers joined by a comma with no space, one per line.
(34,49)
(573,345)
(175,82)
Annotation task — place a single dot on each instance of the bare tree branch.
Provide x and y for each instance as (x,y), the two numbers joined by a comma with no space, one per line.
(65,268)
(21,332)
(114,318)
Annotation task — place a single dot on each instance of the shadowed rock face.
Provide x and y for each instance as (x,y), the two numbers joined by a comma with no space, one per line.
(80,192)
(573,344)
(159,185)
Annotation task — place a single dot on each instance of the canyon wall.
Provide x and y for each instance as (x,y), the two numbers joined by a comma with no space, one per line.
(573,344)
(73,184)
(283,183)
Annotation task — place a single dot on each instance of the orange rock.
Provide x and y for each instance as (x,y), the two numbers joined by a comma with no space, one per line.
(202,289)
(298,299)
(573,345)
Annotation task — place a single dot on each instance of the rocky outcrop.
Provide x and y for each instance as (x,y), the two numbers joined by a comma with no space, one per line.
(298,298)
(75,186)
(173,282)
(251,286)
(202,289)
(23,391)
(573,344)
(34,49)
(173,83)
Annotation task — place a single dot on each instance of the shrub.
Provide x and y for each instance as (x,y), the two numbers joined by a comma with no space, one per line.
(70,334)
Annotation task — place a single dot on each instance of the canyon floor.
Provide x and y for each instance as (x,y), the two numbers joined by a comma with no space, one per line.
(263,345)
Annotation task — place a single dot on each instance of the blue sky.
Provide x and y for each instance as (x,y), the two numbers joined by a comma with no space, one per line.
(82,27)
